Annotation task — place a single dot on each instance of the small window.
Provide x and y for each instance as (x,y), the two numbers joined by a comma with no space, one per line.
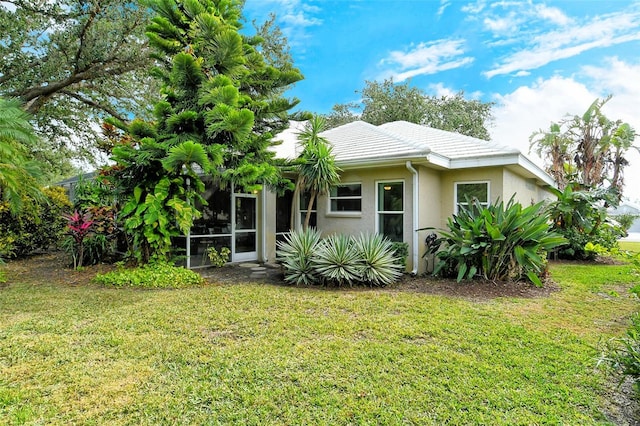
(466,192)
(391,210)
(304,205)
(345,198)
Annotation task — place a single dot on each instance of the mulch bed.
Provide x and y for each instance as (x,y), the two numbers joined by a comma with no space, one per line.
(54,268)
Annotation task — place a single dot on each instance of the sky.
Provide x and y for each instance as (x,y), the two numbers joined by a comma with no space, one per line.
(537,61)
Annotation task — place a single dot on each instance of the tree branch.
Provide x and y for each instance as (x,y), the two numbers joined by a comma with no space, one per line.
(95,105)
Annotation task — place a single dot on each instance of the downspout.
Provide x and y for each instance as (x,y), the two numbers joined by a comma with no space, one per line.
(263,195)
(416,216)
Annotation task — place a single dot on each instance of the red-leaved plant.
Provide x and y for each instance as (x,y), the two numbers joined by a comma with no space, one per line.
(79,227)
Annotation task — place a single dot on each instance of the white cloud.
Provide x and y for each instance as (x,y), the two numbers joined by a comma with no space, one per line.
(552,14)
(569,41)
(530,108)
(505,24)
(443,6)
(426,58)
(300,20)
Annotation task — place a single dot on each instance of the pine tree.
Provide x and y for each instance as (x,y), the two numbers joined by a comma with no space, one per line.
(221,105)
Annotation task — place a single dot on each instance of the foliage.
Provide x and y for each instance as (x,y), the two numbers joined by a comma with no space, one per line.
(36,227)
(589,149)
(388,101)
(625,220)
(400,251)
(97,198)
(381,264)
(72,62)
(497,242)
(18,172)
(622,355)
(581,217)
(221,106)
(296,252)
(316,170)
(79,227)
(218,259)
(338,259)
(151,275)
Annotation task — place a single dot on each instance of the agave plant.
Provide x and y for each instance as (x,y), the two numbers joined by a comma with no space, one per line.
(337,261)
(296,253)
(379,265)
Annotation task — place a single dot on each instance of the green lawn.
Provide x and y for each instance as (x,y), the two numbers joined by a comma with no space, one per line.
(633,246)
(264,354)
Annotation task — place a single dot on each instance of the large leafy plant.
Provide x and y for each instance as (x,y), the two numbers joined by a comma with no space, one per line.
(498,242)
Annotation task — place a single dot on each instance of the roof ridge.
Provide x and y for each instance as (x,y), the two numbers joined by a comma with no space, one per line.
(488,143)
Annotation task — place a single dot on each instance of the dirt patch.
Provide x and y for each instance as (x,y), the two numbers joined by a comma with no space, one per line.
(51,268)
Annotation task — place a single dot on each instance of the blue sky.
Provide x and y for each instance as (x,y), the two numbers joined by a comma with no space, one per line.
(537,61)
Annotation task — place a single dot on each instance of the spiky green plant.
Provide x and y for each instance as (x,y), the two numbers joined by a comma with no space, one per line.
(296,253)
(337,261)
(380,266)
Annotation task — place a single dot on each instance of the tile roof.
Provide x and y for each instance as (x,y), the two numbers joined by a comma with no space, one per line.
(399,139)
(360,144)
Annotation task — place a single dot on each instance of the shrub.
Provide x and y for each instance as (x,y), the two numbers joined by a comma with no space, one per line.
(400,251)
(296,253)
(380,264)
(337,260)
(626,220)
(153,275)
(96,199)
(622,356)
(497,242)
(218,259)
(580,216)
(38,226)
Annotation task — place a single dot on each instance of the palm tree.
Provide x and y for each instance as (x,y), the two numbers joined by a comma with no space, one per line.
(317,171)
(17,173)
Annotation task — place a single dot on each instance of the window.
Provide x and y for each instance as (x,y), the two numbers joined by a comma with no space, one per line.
(304,205)
(345,198)
(473,192)
(391,209)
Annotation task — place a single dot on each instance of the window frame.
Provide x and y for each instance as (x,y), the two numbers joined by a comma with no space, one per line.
(470,182)
(379,213)
(302,210)
(346,213)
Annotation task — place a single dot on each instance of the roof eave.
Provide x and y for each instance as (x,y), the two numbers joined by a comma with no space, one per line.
(506,159)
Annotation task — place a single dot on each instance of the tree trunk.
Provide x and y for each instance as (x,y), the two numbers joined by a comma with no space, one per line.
(312,198)
(294,205)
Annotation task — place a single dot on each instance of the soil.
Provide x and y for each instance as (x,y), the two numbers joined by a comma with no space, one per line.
(53,268)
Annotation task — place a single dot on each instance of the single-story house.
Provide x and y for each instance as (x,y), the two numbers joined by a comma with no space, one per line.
(396,178)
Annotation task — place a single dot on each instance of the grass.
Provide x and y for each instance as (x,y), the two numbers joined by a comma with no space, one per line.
(633,246)
(262,354)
